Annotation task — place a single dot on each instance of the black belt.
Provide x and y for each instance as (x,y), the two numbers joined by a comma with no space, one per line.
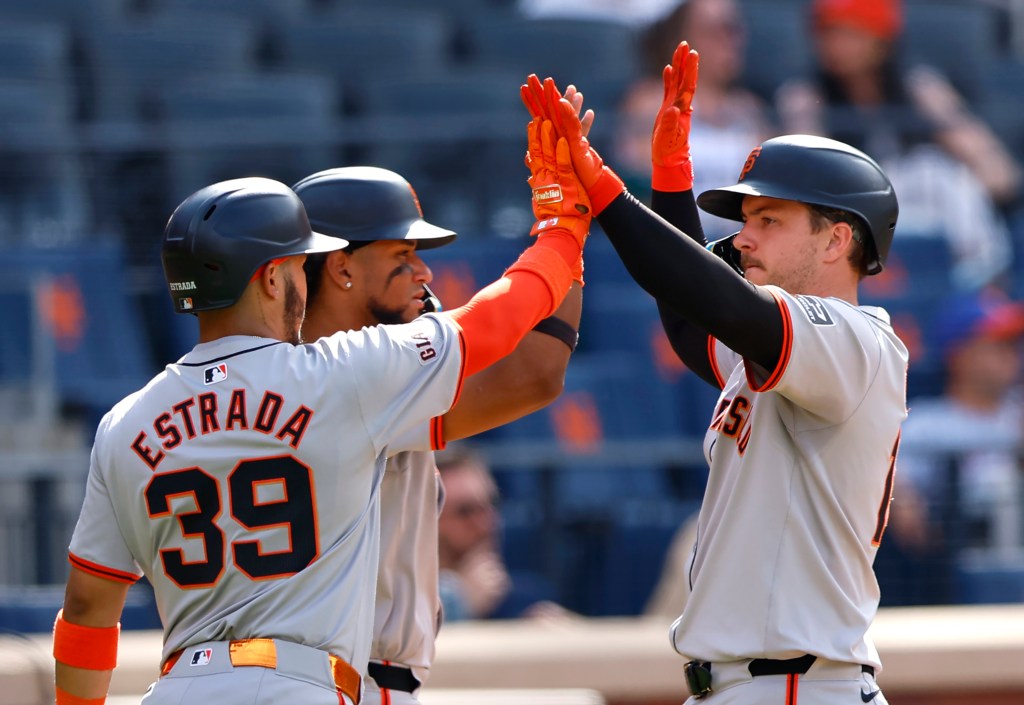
(783,667)
(393,677)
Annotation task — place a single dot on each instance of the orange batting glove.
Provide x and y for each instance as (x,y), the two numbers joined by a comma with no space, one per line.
(544,100)
(558,199)
(670,142)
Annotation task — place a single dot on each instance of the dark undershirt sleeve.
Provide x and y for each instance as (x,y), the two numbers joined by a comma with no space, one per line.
(697,293)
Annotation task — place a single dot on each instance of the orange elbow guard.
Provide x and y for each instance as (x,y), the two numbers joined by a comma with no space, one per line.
(66,698)
(93,648)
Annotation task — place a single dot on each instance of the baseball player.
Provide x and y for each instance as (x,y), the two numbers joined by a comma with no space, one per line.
(380,278)
(802,443)
(242,481)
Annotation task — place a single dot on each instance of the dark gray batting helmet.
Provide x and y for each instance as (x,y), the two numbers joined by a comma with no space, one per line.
(366,204)
(220,235)
(818,171)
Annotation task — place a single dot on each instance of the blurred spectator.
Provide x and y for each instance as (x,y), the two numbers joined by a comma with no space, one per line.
(727,118)
(974,428)
(475,583)
(950,171)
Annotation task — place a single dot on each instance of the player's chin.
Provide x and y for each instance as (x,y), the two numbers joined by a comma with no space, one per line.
(755,275)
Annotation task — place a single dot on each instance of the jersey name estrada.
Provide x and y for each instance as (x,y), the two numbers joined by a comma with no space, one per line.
(243,481)
(801,468)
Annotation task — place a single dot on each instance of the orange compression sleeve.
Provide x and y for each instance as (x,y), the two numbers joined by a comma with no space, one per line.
(502,313)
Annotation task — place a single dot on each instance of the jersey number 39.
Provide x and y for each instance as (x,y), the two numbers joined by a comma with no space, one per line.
(294,511)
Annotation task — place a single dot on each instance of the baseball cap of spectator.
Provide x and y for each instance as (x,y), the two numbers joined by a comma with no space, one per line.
(979,315)
(880,18)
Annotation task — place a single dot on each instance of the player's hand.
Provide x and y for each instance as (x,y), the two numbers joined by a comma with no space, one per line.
(544,100)
(559,201)
(670,141)
(540,99)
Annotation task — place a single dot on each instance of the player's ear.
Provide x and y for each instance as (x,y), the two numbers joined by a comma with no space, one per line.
(337,268)
(840,240)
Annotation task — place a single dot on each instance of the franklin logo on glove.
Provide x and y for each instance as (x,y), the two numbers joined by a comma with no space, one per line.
(548,194)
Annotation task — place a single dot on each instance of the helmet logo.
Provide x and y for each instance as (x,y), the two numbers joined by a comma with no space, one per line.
(416,200)
(749,164)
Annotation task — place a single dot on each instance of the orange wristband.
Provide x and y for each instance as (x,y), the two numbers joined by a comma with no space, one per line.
(93,648)
(607,188)
(66,698)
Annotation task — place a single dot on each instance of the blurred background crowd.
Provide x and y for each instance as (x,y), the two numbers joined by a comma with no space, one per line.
(113,111)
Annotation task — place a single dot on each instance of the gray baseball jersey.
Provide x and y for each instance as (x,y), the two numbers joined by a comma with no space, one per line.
(801,469)
(243,481)
(408,609)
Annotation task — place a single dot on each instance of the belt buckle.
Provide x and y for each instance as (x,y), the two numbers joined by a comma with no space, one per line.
(698,677)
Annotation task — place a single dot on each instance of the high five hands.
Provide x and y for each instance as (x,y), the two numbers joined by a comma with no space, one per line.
(545,102)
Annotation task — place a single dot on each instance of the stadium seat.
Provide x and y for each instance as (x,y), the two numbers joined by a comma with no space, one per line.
(778,44)
(981,579)
(85,336)
(358,47)
(268,12)
(599,56)
(74,14)
(42,188)
(222,126)
(35,51)
(132,62)
(443,132)
(961,39)
(916,279)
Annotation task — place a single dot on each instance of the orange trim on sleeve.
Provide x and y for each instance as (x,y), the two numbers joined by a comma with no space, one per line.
(784,355)
(437,433)
(66,698)
(101,571)
(93,648)
(713,360)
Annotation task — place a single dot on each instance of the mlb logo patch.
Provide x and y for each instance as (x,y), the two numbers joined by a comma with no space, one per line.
(185,304)
(201,657)
(217,373)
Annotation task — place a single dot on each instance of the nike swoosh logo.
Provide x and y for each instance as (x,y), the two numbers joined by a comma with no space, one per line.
(868,697)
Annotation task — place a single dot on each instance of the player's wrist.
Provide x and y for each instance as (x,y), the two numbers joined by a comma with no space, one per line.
(605,190)
(578,228)
(672,178)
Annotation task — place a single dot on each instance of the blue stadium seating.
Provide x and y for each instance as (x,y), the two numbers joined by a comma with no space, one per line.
(132,62)
(35,51)
(912,288)
(465,125)
(359,46)
(988,580)
(222,126)
(598,56)
(81,315)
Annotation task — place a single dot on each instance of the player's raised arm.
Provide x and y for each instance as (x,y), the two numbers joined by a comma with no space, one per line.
(533,375)
(668,264)
(497,317)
